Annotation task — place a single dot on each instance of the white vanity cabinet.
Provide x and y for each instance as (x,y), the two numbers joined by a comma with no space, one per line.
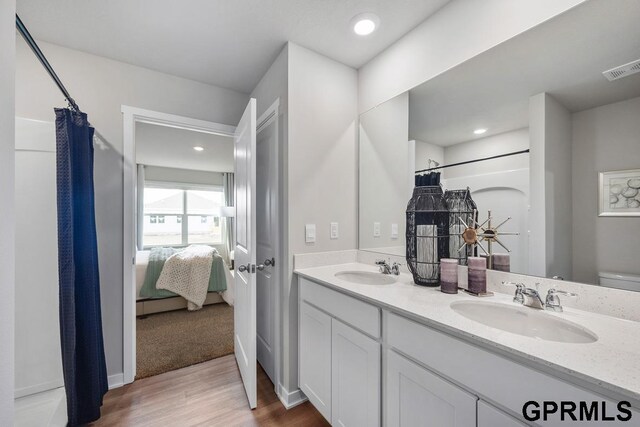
(339,365)
(315,358)
(361,365)
(355,377)
(488,416)
(417,397)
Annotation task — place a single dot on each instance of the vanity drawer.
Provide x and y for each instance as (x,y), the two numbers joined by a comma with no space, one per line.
(356,313)
(493,377)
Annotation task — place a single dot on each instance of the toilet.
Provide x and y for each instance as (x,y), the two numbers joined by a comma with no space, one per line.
(627,282)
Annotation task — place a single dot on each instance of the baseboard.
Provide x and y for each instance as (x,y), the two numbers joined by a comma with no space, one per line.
(115,381)
(290,399)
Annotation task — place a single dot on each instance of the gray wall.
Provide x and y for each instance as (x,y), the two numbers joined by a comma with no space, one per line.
(101,86)
(7,228)
(604,139)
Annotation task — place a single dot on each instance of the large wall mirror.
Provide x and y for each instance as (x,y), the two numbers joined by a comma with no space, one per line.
(538,132)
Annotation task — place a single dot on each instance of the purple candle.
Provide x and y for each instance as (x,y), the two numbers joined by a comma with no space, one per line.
(449,275)
(477,275)
(501,262)
(477,262)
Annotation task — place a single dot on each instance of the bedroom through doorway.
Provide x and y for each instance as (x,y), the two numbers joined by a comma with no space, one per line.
(183,237)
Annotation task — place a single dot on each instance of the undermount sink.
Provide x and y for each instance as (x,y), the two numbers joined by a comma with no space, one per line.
(524,321)
(365,278)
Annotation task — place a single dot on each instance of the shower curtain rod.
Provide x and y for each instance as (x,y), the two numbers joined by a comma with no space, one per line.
(473,161)
(22,29)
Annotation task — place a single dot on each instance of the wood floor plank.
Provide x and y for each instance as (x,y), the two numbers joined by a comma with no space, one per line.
(207,394)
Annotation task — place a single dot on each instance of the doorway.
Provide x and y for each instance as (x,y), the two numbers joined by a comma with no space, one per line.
(267,226)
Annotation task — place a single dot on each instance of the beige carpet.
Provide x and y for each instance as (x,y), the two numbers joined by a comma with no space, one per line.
(173,340)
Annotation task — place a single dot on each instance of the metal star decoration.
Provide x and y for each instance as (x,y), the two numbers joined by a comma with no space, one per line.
(475,233)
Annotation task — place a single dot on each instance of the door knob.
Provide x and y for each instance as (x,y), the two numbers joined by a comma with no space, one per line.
(267,262)
(243,268)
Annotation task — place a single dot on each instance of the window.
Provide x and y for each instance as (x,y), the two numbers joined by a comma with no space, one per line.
(180,215)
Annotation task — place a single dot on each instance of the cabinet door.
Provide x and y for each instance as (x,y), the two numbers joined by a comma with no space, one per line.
(417,397)
(488,416)
(315,358)
(355,360)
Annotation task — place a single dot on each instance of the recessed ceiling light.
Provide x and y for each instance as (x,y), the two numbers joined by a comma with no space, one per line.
(198,148)
(365,23)
(479,131)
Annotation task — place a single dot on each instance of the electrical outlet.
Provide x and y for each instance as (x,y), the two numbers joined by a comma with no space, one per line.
(310,233)
(334,230)
(376,229)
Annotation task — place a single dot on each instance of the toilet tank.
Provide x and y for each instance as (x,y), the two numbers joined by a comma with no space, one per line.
(628,282)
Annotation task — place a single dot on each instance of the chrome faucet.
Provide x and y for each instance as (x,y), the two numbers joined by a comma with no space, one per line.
(385,268)
(552,303)
(518,296)
(530,297)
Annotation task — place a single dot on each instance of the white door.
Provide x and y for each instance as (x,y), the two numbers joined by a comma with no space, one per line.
(417,397)
(245,251)
(355,377)
(267,237)
(315,358)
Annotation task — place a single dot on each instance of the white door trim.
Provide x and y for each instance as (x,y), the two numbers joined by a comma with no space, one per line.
(272,114)
(131,116)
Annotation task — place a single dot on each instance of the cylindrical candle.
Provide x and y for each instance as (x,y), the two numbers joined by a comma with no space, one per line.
(501,262)
(449,275)
(477,262)
(477,275)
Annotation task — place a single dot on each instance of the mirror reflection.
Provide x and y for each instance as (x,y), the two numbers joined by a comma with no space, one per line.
(549,150)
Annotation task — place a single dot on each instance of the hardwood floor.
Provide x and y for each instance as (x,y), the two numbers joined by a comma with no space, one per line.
(207,394)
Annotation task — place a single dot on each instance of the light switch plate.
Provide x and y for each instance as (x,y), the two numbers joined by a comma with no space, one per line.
(376,229)
(334,230)
(310,233)
(394,231)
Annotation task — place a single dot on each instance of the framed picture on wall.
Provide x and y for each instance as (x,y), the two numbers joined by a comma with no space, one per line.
(619,193)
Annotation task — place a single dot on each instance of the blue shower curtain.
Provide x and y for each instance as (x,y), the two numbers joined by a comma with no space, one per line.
(84,369)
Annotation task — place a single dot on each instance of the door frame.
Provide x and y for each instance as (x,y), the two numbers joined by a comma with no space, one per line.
(131,116)
(272,115)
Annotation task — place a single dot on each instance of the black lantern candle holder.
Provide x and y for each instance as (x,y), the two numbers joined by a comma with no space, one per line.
(427,234)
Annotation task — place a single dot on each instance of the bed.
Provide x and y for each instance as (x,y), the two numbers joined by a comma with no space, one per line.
(162,301)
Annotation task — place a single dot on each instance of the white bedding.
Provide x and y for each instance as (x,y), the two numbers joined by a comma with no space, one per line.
(142,259)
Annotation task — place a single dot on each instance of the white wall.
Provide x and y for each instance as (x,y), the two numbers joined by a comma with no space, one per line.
(100,86)
(550,175)
(7,228)
(322,163)
(156,173)
(604,139)
(494,145)
(459,31)
(425,151)
(385,172)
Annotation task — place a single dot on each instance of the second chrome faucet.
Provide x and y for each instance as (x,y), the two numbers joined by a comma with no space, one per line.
(530,297)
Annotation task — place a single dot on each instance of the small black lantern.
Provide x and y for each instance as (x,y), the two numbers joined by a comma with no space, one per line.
(462,211)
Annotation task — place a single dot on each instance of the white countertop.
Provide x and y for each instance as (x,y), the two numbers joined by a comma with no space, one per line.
(612,363)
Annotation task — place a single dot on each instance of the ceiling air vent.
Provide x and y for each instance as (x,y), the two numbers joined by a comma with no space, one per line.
(623,70)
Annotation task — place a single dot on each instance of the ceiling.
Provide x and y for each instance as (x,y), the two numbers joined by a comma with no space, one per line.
(173,148)
(564,57)
(229,43)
